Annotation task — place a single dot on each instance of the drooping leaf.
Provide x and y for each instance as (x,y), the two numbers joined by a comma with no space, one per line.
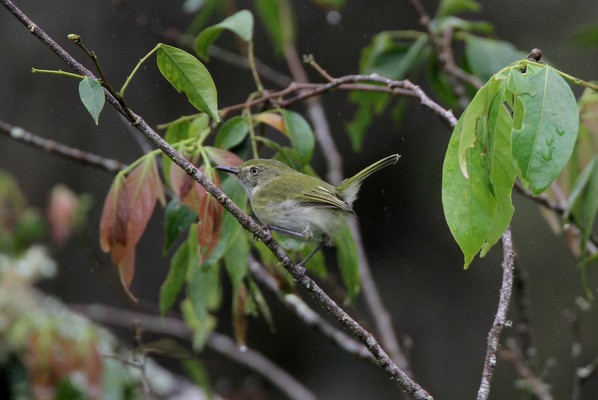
(91,94)
(177,218)
(232,133)
(240,23)
(348,262)
(487,56)
(545,141)
(127,210)
(187,74)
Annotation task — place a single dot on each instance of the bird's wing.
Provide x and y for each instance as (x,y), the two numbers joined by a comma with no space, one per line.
(323,197)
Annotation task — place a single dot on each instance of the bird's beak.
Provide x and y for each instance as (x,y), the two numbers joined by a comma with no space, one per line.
(229,170)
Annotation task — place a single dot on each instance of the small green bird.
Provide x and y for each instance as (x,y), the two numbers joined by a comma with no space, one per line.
(300,205)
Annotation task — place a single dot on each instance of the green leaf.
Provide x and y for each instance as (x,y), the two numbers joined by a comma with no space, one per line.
(301,135)
(346,251)
(187,74)
(240,23)
(487,56)
(545,141)
(585,197)
(475,123)
(204,289)
(181,262)
(91,94)
(479,171)
(177,218)
(236,261)
(232,133)
(452,7)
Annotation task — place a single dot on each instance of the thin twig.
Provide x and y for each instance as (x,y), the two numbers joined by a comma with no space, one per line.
(296,271)
(501,316)
(216,342)
(51,146)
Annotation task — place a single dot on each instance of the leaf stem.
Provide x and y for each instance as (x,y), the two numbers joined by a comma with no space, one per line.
(56,72)
(122,90)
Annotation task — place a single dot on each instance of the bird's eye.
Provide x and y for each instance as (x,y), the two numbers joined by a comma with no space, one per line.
(254,170)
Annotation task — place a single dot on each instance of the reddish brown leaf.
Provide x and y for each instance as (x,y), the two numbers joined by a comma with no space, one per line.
(127,210)
(189,191)
(210,218)
(113,224)
(223,157)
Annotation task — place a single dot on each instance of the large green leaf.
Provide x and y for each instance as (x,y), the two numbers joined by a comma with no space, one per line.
(187,74)
(92,97)
(545,141)
(479,171)
(240,23)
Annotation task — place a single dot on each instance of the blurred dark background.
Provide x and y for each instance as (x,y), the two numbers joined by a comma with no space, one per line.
(445,310)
